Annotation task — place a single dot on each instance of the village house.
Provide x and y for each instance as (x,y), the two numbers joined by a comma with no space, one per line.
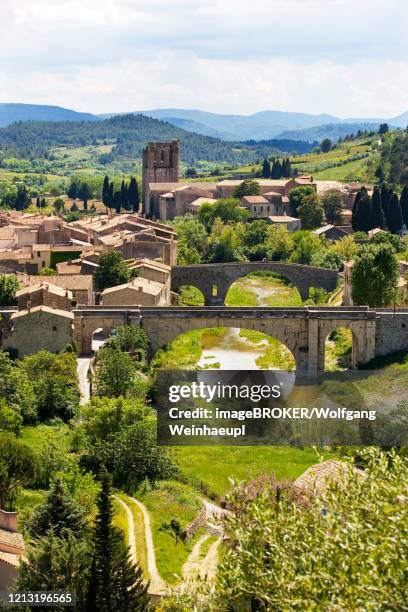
(138,292)
(12,549)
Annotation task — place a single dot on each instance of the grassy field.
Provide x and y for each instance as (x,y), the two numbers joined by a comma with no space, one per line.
(212,468)
(39,436)
(171,501)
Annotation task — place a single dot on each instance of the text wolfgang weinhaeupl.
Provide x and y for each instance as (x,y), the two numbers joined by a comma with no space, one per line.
(260,407)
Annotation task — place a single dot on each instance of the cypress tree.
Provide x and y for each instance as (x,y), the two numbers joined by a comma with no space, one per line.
(266,169)
(385,200)
(133,194)
(355,207)
(362,215)
(38,202)
(111,196)
(395,215)
(124,201)
(115,583)
(117,201)
(276,171)
(105,191)
(73,190)
(404,205)
(377,213)
(288,168)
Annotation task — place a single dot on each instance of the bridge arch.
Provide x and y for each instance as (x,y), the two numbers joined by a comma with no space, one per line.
(225,348)
(293,336)
(214,280)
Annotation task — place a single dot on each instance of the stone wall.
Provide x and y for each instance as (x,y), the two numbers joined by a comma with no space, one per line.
(40,329)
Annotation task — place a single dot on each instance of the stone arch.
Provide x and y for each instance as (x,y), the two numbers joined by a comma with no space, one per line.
(239,343)
(293,335)
(359,340)
(349,360)
(85,327)
(278,275)
(204,276)
(191,295)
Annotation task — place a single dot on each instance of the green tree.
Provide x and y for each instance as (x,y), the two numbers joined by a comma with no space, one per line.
(306,245)
(16,389)
(341,549)
(297,195)
(247,188)
(228,210)
(326,145)
(103,417)
(112,270)
(73,190)
(9,286)
(116,584)
(311,213)
(384,128)
(276,170)
(192,238)
(133,194)
(378,218)
(59,512)
(333,206)
(266,169)
(10,420)
(137,457)
(106,192)
(55,384)
(375,276)
(129,338)
(115,373)
(225,242)
(55,564)
(279,243)
(85,193)
(386,194)
(22,199)
(404,205)
(59,204)
(17,468)
(395,220)
(362,212)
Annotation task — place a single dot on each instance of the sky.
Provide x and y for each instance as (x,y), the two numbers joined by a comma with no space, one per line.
(344,57)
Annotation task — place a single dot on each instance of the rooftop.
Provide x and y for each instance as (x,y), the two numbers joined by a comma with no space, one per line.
(144,285)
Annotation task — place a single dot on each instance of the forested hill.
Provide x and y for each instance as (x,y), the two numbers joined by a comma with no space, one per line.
(128,134)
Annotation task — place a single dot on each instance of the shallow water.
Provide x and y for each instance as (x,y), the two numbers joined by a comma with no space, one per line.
(229,351)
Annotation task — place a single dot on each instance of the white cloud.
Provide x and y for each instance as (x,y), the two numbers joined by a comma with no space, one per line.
(338,56)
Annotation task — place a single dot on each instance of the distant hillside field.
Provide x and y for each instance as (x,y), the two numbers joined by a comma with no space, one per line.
(126,135)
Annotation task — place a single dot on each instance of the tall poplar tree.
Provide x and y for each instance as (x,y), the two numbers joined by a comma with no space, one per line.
(266,169)
(105,191)
(394,215)
(115,583)
(377,213)
(386,193)
(404,205)
(133,194)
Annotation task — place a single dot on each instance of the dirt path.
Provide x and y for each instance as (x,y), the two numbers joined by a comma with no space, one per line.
(82,371)
(208,566)
(131,529)
(157,584)
(191,568)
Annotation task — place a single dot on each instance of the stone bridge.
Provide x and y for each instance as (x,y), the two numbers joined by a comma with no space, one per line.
(214,280)
(303,330)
